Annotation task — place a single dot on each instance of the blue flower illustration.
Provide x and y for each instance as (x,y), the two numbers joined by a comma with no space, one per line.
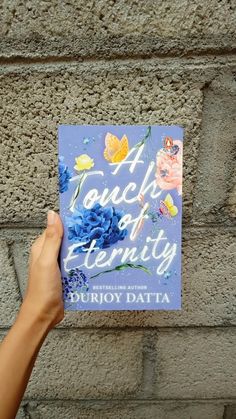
(64,176)
(75,281)
(98,223)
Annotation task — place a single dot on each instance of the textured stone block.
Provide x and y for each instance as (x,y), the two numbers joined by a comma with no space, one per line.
(21,414)
(209,278)
(215,195)
(78,365)
(35,102)
(196,364)
(129,410)
(109,28)
(9,289)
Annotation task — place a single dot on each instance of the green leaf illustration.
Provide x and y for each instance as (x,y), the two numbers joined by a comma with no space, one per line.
(122,267)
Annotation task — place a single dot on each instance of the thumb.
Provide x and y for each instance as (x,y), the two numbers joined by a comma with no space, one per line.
(53,237)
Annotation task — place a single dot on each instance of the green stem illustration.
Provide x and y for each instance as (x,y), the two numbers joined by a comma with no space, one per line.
(76,192)
(147,135)
(122,267)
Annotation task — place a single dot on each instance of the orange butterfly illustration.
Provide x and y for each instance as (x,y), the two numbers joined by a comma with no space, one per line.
(116,150)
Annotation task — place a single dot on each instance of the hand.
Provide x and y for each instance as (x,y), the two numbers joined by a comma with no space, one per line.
(43,298)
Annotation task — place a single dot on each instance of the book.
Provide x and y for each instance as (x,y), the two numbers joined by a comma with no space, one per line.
(120,190)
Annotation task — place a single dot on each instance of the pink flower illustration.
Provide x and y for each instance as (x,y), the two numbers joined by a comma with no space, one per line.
(169,167)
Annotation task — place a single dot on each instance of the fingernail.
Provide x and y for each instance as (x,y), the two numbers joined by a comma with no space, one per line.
(51,217)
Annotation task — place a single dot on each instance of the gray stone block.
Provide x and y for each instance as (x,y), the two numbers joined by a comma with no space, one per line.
(121,410)
(9,289)
(79,365)
(35,101)
(21,414)
(209,278)
(108,28)
(215,194)
(196,364)
(190,364)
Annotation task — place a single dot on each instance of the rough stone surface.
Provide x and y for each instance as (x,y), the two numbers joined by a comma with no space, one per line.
(101,365)
(196,364)
(109,17)
(78,365)
(209,278)
(109,27)
(21,414)
(34,104)
(121,410)
(9,289)
(215,198)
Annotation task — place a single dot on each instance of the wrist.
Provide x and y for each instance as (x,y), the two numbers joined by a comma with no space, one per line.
(32,317)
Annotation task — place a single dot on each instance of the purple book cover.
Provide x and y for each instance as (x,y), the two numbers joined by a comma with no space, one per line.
(121,206)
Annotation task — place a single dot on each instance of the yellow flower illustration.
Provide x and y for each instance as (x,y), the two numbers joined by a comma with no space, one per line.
(83,162)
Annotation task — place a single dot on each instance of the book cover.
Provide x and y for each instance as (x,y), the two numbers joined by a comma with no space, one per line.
(121,207)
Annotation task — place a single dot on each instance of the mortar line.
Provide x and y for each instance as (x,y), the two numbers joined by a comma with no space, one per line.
(185,226)
(162,329)
(11,253)
(225,412)
(189,61)
(149,356)
(132,400)
(208,52)
(147,328)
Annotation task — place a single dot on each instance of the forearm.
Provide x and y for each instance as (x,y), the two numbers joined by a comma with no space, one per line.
(41,310)
(18,352)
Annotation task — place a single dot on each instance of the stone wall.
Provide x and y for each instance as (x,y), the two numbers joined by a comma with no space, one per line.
(127,62)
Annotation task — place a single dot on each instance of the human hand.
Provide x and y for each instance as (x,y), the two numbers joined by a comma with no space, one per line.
(43,298)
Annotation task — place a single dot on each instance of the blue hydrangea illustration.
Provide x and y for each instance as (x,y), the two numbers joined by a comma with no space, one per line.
(64,176)
(75,281)
(98,223)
